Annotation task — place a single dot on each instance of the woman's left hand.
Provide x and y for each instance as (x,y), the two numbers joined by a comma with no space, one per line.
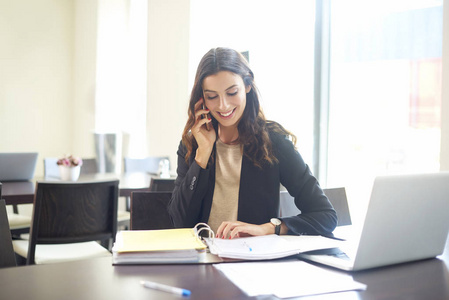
(240,229)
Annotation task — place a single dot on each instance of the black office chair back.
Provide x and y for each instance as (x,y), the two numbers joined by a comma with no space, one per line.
(72,212)
(336,196)
(7,257)
(162,184)
(149,210)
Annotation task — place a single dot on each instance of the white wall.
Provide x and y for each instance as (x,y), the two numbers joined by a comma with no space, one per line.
(36,59)
(47,77)
(168,72)
(444,156)
(84,77)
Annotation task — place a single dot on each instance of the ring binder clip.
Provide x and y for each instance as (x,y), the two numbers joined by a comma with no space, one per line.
(200,224)
(205,228)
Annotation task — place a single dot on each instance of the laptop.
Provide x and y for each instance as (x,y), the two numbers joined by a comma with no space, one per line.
(407,220)
(17,166)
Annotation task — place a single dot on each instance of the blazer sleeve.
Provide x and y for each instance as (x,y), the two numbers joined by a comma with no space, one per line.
(317,213)
(191,184)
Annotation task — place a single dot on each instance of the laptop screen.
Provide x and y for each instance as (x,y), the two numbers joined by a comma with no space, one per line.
(17,166)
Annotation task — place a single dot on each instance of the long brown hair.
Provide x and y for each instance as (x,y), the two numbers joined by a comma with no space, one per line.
(253,126)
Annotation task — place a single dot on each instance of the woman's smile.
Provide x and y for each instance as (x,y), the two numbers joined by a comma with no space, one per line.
(226,115)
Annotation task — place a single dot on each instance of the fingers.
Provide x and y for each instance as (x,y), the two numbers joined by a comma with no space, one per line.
(201,115)
(200,108)
(231,230)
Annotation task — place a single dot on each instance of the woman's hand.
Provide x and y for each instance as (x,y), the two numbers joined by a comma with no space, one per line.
(240,229)
(204,138)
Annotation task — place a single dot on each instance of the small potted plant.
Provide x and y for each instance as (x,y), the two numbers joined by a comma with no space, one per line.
(69,167)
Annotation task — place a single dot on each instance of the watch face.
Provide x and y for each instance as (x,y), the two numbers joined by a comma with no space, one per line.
(275,221)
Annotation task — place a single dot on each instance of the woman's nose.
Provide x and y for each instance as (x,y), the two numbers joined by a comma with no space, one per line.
(223,103)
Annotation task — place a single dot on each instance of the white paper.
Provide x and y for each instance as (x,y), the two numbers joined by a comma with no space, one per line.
(268,246)
(287,278)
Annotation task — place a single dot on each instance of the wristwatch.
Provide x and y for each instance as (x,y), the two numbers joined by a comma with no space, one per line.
(277,225)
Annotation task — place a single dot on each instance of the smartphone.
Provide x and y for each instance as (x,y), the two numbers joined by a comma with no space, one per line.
(205,116)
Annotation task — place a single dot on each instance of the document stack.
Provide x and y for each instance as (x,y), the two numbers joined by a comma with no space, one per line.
(157,246)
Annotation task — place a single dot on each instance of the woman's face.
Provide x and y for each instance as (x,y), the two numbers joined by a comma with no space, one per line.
(225,97)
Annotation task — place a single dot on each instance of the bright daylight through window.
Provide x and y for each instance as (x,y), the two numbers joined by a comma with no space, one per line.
(385,91)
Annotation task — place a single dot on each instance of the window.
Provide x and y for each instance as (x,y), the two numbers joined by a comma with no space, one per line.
(385,91)
(278,37)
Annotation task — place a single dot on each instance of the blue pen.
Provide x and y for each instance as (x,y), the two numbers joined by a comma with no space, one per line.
(250,249)
(165,288)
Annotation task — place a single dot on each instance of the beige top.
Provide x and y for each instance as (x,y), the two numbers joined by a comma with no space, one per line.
(227,183)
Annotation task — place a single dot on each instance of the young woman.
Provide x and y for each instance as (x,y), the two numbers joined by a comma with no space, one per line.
(231,160)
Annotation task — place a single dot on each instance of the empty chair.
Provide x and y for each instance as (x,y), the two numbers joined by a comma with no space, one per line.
(51,168)
(336,196)
(89,166)
(68,219)
(149,210)
(17,223)
(7,258)
(147,165)
(162,184)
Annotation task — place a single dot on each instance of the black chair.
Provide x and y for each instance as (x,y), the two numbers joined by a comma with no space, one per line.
(7,257)
(162,184)
(73,215)
(337,197)
(149,210)
(17,223)
(90,166)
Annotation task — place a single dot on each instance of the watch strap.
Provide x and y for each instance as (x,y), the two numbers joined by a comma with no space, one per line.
(277,229)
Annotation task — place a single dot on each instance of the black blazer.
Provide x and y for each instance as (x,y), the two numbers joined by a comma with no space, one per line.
(191,200)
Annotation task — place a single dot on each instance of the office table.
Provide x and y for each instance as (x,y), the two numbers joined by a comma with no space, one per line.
(98,279)
(22,192)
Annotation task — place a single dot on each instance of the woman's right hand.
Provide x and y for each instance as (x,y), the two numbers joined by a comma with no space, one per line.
(204,138)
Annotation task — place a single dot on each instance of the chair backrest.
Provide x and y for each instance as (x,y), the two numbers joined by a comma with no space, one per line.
(149,210)
(89,166)
(71,212)
(337,197)
(7,257)
(162,184)
(148,164)
(51,169)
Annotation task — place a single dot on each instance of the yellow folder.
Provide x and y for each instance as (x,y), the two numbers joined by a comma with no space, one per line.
(158,240)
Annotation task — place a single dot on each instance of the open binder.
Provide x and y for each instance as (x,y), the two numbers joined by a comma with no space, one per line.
(185,245)
(181,245)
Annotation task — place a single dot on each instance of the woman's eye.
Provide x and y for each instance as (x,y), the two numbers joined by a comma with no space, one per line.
(232,93)
(211,97)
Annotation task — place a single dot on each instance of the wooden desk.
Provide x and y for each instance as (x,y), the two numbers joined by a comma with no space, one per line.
(98,279)
(22,192)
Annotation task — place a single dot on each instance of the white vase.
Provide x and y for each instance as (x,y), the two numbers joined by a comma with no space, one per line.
(69,173)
